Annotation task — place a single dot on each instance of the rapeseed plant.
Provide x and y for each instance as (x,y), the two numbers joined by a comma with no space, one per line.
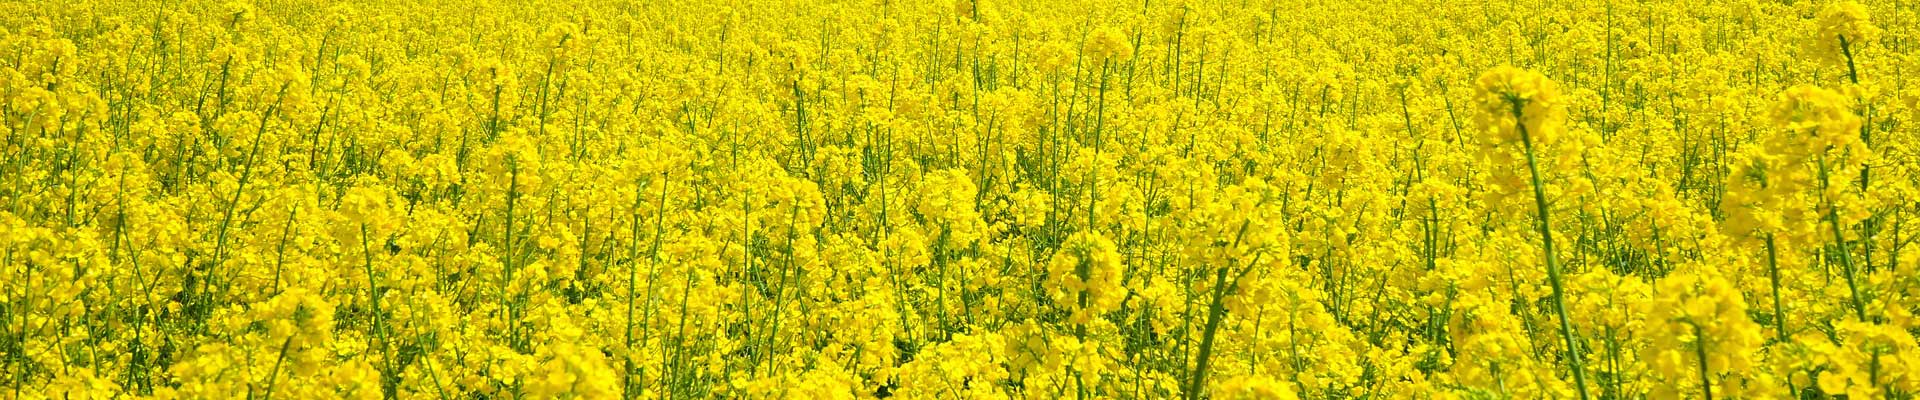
(959,199)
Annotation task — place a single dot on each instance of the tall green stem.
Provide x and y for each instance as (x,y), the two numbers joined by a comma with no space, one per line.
(1553,260)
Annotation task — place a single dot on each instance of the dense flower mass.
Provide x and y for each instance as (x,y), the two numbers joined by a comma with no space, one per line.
(587,199)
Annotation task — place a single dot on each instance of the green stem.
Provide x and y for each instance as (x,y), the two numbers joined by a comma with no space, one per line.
(1216,311)
(274,374)
(1840,244)
(1773,272)
(1700,351)
(387,374)
(1553,260)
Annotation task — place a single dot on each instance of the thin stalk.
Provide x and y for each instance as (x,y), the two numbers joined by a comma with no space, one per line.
(1773,272)
(379,318)
(1700,351)
(1840,245)
(1216,311)
(274,374)
(1553,260)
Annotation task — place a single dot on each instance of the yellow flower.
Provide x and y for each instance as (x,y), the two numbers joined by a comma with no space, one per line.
(1844,29)
(1817,119)
(1512,102)
(1107,43)
(1084,276)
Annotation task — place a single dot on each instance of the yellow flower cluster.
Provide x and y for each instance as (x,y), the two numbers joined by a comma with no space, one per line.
(959,199)
(1514,105)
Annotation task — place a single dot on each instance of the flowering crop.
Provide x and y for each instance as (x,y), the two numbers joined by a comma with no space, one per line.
(959,199)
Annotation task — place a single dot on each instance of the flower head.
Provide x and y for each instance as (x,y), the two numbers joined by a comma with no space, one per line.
(1108,44)
(1513,104)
